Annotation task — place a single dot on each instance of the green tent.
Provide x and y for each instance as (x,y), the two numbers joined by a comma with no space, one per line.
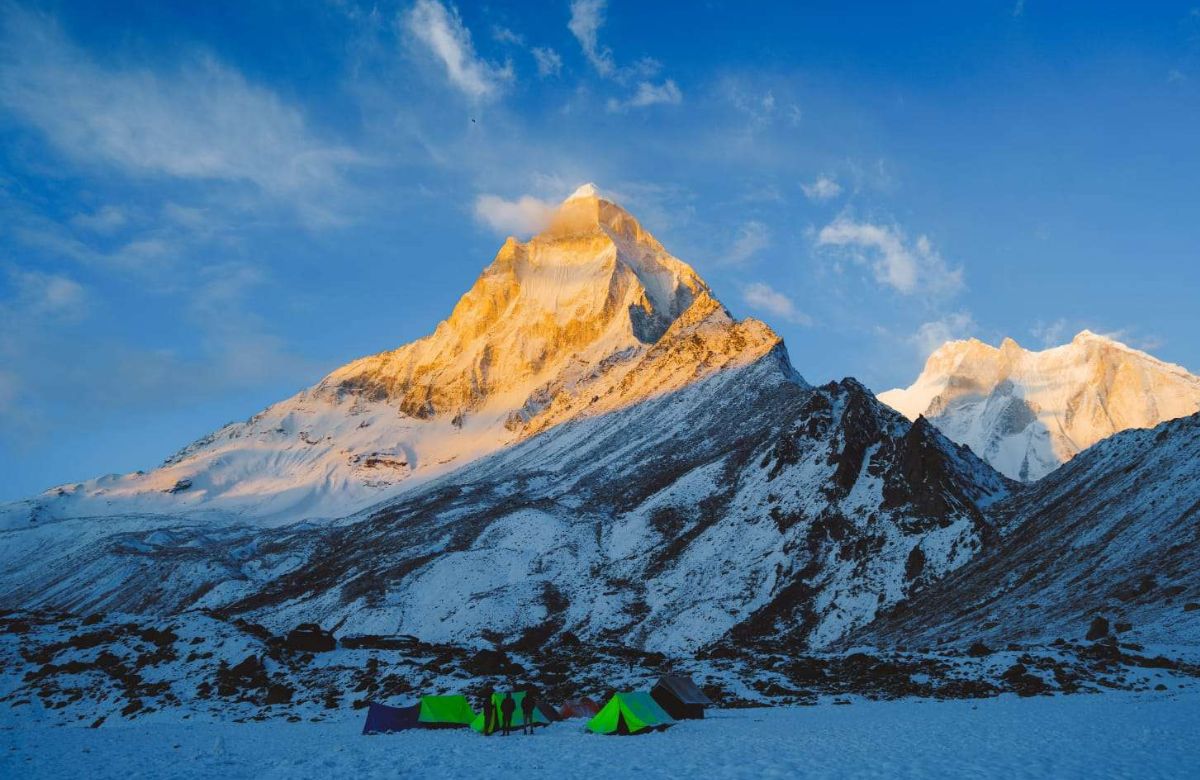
(630,713)
(445,711)
(518,720)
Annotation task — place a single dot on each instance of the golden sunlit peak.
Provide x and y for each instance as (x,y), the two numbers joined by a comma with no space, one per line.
(588,190)
(1087,335)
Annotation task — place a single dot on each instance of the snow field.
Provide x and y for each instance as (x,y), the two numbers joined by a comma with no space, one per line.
(1096,736)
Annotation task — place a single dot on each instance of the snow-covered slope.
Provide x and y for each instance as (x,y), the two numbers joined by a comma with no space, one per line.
(745,504)
(572,322)
(1027,412)
(589,445)
(1115,533)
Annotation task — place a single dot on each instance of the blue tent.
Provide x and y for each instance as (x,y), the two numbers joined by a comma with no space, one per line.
(431,712)
(382,719)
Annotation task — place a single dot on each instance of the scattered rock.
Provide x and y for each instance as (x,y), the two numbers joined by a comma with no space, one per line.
(180,486)
(1098,629)
(979,650)
(1024,683)
(311,638)
(247,676)
(279,693)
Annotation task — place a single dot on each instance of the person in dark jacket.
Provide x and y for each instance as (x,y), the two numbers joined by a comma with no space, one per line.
(507,707)
(489,712)
(527,705)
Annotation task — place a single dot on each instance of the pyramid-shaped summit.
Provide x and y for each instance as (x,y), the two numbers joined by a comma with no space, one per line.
(591,287)
(591,315)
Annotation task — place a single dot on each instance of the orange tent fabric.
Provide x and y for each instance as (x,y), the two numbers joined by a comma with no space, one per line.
(579,708)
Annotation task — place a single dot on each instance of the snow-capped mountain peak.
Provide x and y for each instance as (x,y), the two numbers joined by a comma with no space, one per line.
(1027,412)
(591,315)
(588,190)
(589,443)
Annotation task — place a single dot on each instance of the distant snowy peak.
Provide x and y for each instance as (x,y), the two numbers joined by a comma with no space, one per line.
(591,316)
(1027,412)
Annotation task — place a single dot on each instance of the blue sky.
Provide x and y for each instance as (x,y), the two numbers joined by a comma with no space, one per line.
(204,207)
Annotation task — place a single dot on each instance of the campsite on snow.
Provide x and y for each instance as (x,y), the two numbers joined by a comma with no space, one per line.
(845,554)
(842,428)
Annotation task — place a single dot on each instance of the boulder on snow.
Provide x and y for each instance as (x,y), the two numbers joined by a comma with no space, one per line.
(978,650)
(279,693)
(1024,683)
(180,486)
(248,675)
(311,638)
(1098,629)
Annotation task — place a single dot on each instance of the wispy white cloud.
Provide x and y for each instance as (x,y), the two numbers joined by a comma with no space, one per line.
(908,267)
(824,188)
(523,217)
(103,220)
(505,35)
(1050,334)
(442,32)
(140,250)
(36,303)
(761,105)
(47,353)
(201,120)
(1132,338)
(45,295)
(762,297)
(933,334)
(587,17)
(549,63)
(648,94)
(752,237)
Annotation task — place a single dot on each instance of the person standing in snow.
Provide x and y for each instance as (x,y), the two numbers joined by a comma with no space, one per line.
(527,702)
(507,706)
(489,712)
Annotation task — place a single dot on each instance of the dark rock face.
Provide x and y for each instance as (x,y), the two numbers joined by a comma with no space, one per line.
(1108,540)
(813,503)
(914,565)
(279,693)
(1098,629)
(310,637)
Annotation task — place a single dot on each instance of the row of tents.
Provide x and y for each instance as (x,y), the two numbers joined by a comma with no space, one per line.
(673,698)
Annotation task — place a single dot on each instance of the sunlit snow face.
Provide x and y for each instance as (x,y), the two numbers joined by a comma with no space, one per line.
(1028,412)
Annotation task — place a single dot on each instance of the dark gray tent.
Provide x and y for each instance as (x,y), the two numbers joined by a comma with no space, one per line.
(680,697)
